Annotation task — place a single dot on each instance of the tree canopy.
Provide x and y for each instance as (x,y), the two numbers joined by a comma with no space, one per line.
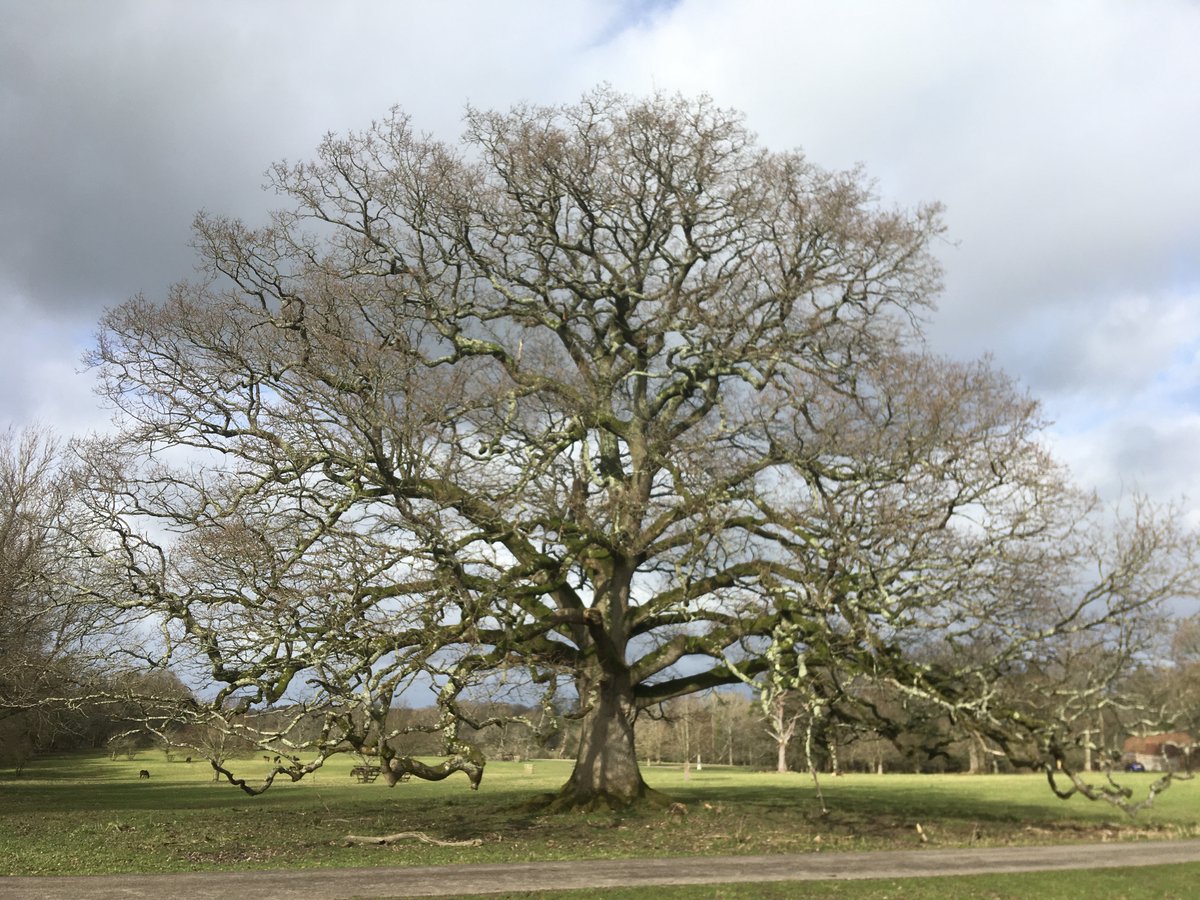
(607,401)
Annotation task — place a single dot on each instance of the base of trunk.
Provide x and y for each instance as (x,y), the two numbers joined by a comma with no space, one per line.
(574,798)
(606,773)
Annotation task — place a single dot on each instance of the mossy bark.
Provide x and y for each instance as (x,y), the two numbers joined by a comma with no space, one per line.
(469,761)
(606,773)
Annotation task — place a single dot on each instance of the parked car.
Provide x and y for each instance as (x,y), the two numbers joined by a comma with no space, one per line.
(1134,767)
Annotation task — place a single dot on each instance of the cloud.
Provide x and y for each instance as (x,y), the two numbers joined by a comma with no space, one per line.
(42,374)
(1062,137)
(125,118)
(1137,454)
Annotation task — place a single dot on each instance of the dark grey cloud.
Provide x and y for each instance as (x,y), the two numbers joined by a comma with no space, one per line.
(109,151)
(122,119)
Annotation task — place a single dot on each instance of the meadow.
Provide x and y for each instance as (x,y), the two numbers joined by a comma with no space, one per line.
(1143,883)
(92,815)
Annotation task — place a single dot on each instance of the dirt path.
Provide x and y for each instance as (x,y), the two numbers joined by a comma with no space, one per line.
(432,881)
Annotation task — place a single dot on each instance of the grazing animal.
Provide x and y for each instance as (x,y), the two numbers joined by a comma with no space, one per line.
(143,774)
(189,759)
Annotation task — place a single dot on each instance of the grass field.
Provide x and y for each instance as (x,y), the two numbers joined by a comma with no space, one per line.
(92,815)
(1142,883)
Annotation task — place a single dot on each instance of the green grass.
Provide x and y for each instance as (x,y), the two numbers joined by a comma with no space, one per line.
(91,815)
(1141,883)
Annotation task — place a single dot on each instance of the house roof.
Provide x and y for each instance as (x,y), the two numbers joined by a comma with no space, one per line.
(1154,744)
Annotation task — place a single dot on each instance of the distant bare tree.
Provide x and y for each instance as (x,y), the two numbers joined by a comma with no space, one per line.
(45,640)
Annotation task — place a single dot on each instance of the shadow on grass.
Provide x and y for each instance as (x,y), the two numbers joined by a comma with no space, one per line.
(999,799)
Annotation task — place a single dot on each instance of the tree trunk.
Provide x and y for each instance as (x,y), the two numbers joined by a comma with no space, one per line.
(782,730)
(606,769)
(974,753)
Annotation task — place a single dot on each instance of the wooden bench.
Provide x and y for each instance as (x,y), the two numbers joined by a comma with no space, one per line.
(370,773)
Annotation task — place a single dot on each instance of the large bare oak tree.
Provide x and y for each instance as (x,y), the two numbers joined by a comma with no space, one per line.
(608,399)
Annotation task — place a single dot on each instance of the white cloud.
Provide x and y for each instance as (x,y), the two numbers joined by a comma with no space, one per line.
(42,373)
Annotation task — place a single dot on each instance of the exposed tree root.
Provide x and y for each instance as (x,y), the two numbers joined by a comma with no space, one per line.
(571,800)
(409,835)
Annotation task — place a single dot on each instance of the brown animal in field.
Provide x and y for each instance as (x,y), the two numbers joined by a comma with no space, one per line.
(143,774)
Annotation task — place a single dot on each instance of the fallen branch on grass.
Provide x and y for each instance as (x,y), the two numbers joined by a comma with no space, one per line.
(410,835)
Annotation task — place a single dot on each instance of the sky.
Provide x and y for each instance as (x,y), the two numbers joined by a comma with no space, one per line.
(1063,137)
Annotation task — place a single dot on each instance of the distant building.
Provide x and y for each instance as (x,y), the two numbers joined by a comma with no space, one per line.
(1168,752)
